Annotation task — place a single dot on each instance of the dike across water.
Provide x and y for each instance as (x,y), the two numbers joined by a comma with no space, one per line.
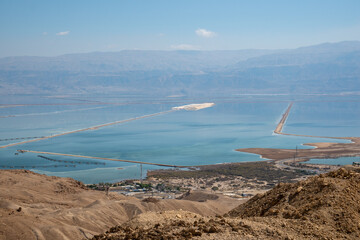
(86,129)
(279,127)
(281,124)
(100,158)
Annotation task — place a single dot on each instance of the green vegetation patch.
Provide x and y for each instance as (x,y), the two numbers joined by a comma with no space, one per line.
(263,171)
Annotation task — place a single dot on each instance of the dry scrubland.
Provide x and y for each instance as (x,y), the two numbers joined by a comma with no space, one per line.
(34,206)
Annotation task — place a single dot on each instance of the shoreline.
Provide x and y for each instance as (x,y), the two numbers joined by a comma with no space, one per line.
(299,157)
(281,158)
(277,162)
(320,150)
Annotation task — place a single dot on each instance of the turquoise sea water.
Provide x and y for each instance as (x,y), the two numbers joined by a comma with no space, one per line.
(207,136)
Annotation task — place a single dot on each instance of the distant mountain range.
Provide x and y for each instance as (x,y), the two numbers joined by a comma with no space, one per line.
(324,68)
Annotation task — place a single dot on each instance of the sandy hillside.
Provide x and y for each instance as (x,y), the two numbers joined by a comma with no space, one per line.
(34,206)
(321,207)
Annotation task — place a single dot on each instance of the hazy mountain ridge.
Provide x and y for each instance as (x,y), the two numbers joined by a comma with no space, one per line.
(326,52)
(324,68)
(132,60)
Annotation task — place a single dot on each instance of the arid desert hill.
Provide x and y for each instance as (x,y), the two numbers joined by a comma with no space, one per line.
(322,207)
(34,206)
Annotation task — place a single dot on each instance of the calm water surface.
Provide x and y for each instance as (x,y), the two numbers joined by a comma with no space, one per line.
(207,136)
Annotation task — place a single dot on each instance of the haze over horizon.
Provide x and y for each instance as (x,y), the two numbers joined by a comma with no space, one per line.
(157,118)
(52,28)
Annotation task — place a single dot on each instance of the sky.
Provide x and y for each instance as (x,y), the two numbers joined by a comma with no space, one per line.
(56,27)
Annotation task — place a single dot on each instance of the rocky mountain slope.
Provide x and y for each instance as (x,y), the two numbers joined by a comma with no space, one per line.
(321,207)
(34,206)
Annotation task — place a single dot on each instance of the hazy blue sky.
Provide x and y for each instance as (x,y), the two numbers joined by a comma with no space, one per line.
(50,27)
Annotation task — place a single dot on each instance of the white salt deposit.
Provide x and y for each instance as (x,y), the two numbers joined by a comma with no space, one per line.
(194,107)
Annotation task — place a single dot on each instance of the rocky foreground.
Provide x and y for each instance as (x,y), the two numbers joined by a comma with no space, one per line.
(34,206)
(322,207)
